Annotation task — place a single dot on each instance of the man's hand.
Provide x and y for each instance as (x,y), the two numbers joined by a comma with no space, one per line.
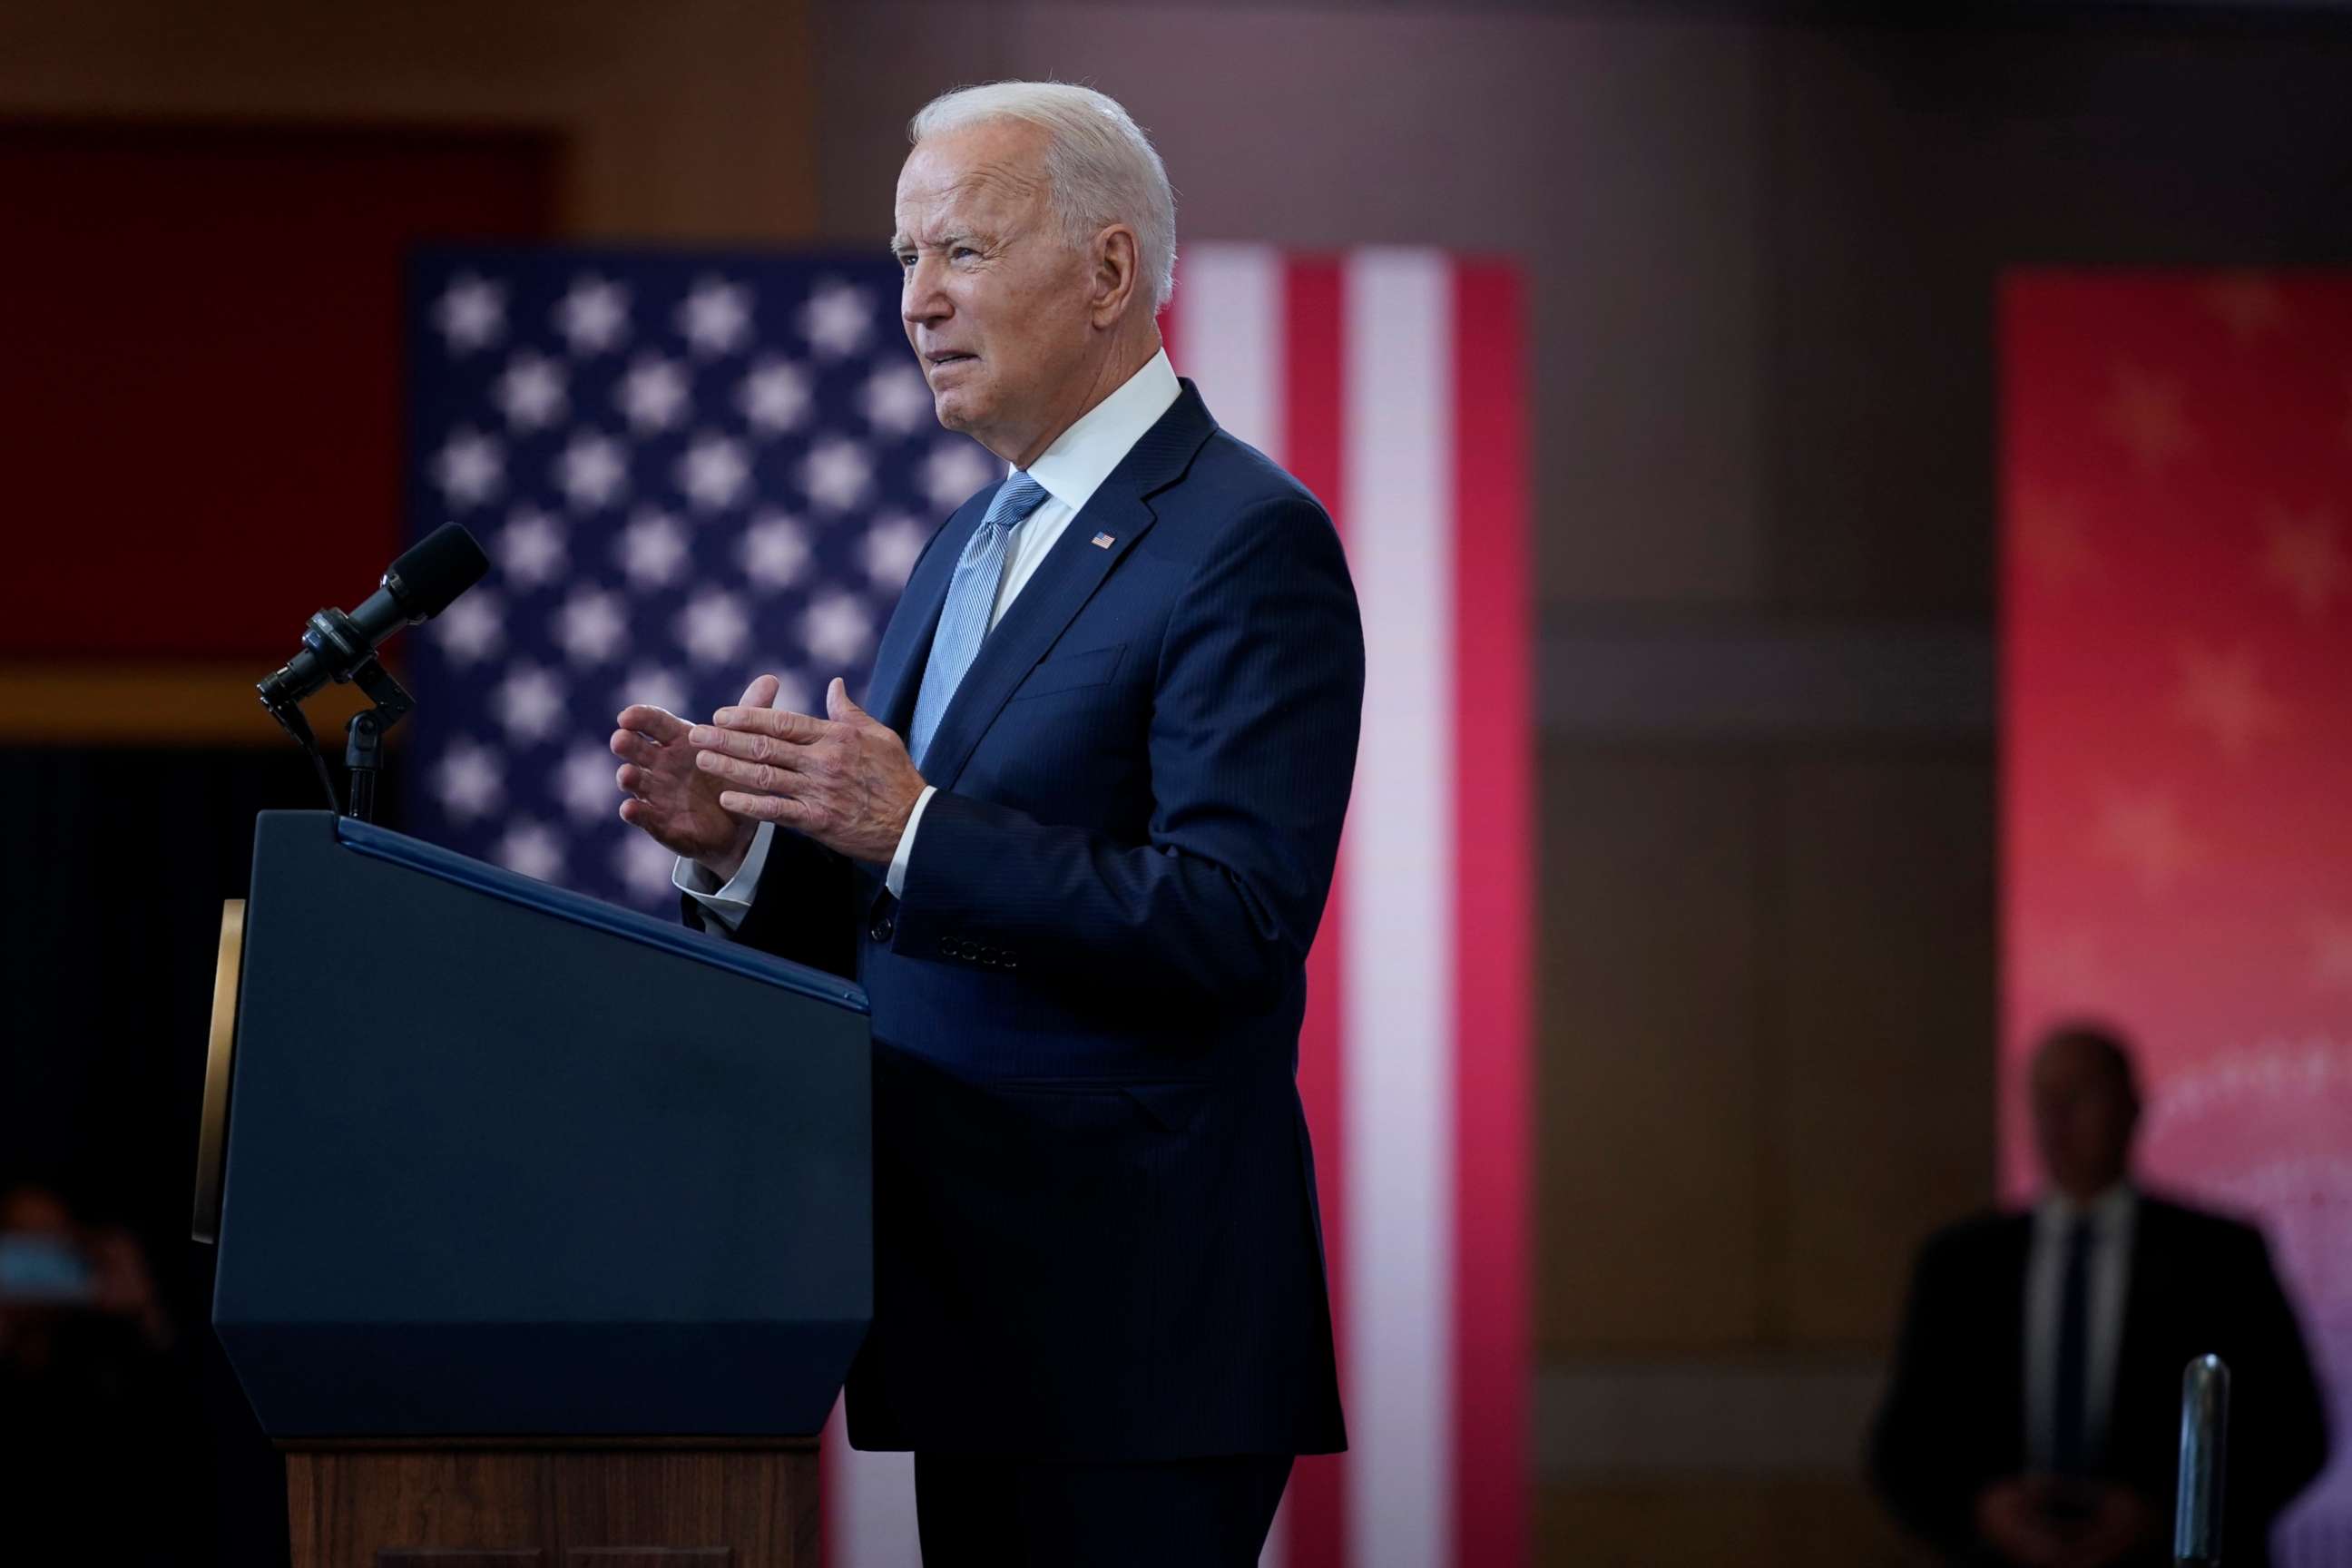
(2043,1523)
(2118,1523)
(845,780)
(672,799)
(2012,1516)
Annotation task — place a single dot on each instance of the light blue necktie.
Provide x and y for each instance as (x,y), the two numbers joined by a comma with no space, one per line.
(971,600)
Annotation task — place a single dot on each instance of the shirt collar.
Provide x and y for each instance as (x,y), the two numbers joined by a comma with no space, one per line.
(2107,1213)
(1082,457)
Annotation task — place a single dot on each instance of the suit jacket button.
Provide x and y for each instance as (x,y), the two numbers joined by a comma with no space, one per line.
(883,927)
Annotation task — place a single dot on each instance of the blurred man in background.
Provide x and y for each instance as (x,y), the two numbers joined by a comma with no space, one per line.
(90,1413)
(2033,1412)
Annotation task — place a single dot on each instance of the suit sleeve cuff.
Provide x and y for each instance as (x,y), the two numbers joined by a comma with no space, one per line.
(729,904)
(896,878)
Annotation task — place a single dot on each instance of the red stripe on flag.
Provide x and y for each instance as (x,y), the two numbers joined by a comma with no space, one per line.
(1169,340)
(1313,410)
(1493,920)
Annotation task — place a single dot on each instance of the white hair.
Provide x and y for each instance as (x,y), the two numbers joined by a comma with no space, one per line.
(1100,168)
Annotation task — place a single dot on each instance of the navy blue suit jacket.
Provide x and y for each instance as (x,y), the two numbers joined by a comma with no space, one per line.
(1095,1224)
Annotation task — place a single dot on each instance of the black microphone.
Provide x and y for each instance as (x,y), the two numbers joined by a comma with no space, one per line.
(420,585)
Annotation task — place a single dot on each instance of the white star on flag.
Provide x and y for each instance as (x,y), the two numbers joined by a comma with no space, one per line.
(775,551)
(591,472)
(529,548)
(531,849)
(472,629)
(2331,958)
(594,316)
(892,547)
(716,318)
(529,703)
(713,628)
(652,394)
(590,626)
(645,866)
(836,474)
(469,782)
(713,472)
(835,629)
(895,399)
(837,319)
(469,468)
(794,696)
(584,780)
(471,313)
(531,392)
(953,470)
(774,397)
(653,550)
(655,688)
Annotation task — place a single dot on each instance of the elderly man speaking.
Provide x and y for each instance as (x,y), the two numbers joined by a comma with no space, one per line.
(1075,854)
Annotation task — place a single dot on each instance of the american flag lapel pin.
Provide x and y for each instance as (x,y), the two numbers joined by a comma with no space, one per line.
(1104,541)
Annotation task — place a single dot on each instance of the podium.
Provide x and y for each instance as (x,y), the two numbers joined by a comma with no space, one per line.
(545,1227)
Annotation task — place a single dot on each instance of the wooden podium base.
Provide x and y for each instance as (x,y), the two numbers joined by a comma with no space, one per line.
(509,1502)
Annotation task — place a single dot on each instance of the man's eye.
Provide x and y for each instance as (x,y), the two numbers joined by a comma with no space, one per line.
(906,258)
(959,252)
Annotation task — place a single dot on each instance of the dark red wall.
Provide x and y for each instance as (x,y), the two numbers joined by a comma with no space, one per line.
(200,377)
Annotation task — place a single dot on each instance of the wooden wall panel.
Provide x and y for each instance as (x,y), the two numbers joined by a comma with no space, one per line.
(690,121)
(1881,956)
(1649,1101)
(1707,1520)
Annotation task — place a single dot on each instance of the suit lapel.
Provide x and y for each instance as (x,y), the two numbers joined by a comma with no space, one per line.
(1063,582)
(907,640)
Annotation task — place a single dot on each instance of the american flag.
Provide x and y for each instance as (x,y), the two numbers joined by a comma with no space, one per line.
(688,470)
(691,469)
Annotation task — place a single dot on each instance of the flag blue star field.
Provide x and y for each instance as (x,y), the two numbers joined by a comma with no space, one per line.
(688,470)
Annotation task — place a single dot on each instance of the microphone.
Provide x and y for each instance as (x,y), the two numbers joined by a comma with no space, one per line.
(421,585)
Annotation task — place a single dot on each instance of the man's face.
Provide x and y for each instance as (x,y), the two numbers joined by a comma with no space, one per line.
(2084,1116)
(995,299)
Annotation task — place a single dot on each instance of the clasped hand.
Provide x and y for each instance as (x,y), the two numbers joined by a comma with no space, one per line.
(844,780)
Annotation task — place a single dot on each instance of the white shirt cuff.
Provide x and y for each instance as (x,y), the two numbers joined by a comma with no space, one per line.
(729,904)
(895,877)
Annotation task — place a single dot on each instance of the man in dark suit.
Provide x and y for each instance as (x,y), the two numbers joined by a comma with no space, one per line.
(2033,1415)
(1075,854)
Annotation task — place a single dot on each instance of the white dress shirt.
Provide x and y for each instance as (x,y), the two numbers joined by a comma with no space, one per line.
(2111,1215)
(1071,469)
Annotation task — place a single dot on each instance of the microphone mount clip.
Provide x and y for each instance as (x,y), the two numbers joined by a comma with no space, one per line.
(342,649)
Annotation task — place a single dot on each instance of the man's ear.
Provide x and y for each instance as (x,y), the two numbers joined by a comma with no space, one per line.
(1118,275)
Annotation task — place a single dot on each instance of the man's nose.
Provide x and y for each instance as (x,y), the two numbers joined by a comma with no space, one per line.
(922,300)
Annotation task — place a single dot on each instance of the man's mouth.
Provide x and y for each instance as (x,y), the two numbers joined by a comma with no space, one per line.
(946,356)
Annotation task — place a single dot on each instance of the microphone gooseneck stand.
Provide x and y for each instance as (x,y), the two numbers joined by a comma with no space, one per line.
(362,736)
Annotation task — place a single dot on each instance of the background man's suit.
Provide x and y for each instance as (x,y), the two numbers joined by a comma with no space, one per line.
(1954,1420)
(1095,1207)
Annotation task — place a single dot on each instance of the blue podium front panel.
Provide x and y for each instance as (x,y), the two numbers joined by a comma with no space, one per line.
(503,1160)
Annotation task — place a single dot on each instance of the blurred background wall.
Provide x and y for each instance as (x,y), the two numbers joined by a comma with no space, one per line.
(1761,246)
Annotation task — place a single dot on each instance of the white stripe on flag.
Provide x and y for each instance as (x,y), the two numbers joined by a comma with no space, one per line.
(872,1517)
(1231,324)
(1398,990)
